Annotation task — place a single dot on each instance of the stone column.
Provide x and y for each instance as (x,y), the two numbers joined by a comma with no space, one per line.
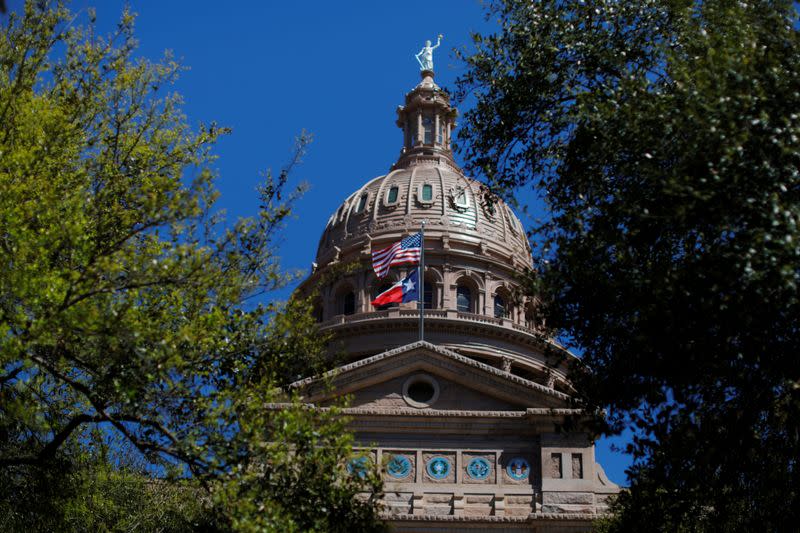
(448,128)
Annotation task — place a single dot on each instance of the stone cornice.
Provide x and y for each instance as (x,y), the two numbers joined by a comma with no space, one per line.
(531,413)
(448,354)
(561,517)
(391,420)
(432,413)
(478,326)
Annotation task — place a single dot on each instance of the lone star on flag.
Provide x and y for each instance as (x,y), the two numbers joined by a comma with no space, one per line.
(403,291)
(409,285)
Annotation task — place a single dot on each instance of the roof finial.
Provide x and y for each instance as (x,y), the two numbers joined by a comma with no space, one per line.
(426,62)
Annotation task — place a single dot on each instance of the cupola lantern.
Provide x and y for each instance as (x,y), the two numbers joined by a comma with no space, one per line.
(427,120)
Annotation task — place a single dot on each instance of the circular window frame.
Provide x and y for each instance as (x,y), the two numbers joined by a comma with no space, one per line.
(416,378)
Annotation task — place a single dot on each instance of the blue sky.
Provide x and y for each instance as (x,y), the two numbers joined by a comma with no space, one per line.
(338,70)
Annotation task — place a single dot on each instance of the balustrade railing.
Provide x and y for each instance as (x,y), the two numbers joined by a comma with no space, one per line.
(432,314)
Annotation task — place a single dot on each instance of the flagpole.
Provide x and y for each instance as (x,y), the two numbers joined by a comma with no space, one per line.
(421,281)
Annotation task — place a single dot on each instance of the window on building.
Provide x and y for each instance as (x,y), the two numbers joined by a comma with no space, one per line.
(427,128)
(391,197)
(349,303)
(440,133)
(461,198)
(577,466)
(555,466)
(500,307)
(427,295)
(427,192)
(464,299)
(362,203)
(530,317)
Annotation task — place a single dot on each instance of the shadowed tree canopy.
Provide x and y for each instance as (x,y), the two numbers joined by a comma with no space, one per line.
(664,138)
(129,308)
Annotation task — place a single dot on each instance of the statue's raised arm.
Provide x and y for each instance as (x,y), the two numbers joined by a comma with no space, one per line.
(425,56)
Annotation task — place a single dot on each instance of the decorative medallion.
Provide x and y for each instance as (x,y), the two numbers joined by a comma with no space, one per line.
(398,467)
(438,467)
(518,468)
(479,468)
(358,466)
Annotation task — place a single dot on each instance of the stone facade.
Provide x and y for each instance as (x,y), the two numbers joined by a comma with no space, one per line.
(464,426)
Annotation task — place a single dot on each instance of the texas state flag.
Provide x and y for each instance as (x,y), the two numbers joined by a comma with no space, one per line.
(403,291)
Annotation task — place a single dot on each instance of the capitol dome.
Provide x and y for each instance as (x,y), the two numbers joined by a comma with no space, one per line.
(475,247)
(458,402)
(432,189)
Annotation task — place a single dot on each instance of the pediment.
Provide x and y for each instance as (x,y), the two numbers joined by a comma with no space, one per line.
(463,384)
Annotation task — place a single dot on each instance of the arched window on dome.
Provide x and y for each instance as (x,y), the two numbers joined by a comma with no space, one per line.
(349,303)
(461,198)
(427,192)
(513,222)
(344,299)
(500,306)
(503,306)
(392,194)
(464,299)
(427,127)
(530,316)
(427,294)
(318,310)
(362,203)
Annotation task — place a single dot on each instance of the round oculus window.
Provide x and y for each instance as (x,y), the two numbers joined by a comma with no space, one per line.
(420,390)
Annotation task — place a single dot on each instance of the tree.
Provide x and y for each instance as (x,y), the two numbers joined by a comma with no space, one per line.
(129,307)
(664,140)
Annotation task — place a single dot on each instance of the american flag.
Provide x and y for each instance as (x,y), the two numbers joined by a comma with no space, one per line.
(406,251)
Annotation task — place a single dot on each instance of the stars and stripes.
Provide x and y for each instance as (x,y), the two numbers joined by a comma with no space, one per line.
(400,253)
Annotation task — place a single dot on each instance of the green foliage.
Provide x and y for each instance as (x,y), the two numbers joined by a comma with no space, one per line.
(664,138)
(88,494)
(128,306)
(302,486)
